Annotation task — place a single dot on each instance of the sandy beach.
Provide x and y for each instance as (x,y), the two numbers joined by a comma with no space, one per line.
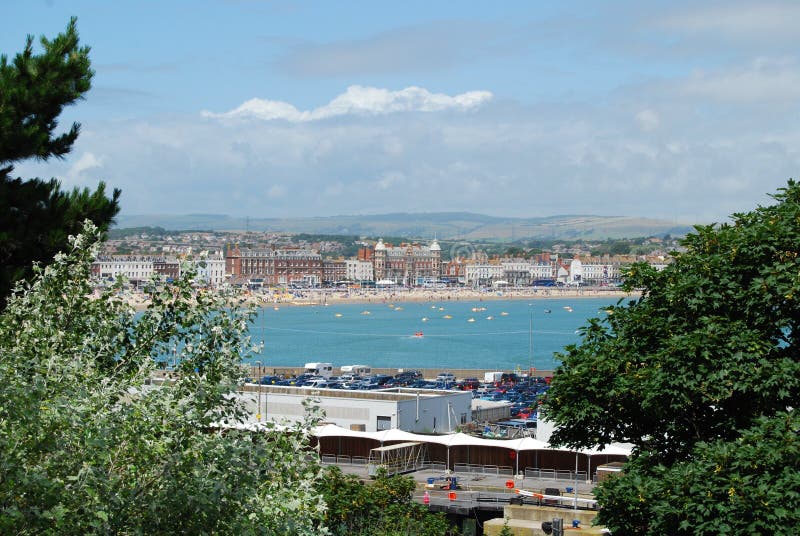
(316,297)
(330,297)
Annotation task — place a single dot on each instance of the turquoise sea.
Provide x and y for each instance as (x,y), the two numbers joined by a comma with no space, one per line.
(492,334)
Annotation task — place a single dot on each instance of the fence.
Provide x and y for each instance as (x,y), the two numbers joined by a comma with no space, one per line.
(344,460)
(483,469)
(552,474)
(463,468)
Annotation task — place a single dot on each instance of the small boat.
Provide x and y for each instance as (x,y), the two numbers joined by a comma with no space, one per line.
(567,308)
(548,311)
(338,315)
(447,317)
(398,308)
(424,318)
(276,308)
(441,308)
(418,334)
(504,313)
(365,313)
(489,318)
(470,320)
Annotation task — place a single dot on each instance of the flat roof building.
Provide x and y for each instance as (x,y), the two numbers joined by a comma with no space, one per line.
(410,410)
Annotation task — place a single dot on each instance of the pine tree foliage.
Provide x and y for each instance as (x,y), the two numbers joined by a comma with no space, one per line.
(36,216)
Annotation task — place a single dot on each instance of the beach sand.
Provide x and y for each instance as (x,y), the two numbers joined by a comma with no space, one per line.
(321,297)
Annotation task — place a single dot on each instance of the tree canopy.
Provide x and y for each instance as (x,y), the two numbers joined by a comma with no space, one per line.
(89,446)
(384,507)
(695,373)
(36,216)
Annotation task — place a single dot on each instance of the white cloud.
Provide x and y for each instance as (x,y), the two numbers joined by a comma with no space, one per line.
(421,48)
(389,179)
(359,100)
(648,120)
(762,80)
(703,157)
(739,19)
(276,191)
(77,171)
(86,161)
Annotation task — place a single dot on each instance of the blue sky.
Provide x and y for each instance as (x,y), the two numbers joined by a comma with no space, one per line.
(686,111)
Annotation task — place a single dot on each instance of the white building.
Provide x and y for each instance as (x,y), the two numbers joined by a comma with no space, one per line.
(358,270)
(599,271)
(543,270)
(482,274)
(131,267)
(211,269)
(575,273)
(410,410)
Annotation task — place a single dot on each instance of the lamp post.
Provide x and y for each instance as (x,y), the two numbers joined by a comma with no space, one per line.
(258,410)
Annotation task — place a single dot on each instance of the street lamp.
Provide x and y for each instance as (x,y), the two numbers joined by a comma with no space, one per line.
(258,410)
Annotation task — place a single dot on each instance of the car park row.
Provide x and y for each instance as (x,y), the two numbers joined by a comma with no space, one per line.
(523,393)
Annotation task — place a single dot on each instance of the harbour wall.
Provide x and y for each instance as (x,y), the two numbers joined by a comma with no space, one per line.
(427,373)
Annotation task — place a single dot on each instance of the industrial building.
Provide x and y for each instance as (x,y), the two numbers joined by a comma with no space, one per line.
(411,410)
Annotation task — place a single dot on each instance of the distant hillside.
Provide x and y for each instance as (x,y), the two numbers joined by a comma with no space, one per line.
(444,225)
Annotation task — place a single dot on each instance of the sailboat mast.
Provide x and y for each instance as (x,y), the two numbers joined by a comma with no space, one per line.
(530,341)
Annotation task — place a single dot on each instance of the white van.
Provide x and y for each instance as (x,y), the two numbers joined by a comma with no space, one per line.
(319,369)
(447,377)
(356,370)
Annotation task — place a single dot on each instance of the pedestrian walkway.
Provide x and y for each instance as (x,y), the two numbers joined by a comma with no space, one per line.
(487,491)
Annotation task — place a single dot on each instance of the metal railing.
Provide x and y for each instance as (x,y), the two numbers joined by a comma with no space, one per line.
(343,460)
(552,474)
(483,469)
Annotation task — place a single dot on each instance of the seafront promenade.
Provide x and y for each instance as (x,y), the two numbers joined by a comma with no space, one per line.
(323,297)
(331,296)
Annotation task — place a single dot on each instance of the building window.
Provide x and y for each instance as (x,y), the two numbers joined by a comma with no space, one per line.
(384,423)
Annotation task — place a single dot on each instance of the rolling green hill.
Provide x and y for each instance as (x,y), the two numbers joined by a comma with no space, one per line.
(444,225)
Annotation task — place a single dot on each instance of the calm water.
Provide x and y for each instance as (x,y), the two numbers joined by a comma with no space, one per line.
(499,337)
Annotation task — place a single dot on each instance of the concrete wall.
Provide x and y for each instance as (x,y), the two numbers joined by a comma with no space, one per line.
(527,520)
(428,411)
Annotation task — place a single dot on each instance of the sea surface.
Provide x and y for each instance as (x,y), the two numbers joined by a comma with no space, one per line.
(492,334)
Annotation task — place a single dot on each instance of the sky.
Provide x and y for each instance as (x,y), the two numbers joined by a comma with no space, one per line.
(685,111)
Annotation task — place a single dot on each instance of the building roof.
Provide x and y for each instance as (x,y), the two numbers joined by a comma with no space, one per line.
(459,439)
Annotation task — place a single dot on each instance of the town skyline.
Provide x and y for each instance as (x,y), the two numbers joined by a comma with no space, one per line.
(677,110)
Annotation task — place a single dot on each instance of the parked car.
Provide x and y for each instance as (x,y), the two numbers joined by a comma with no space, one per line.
(446,377)
(469,384)
(408,375)
(269,380)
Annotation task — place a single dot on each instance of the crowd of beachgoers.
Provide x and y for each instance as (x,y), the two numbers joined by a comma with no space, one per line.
(275,297)
(328,296)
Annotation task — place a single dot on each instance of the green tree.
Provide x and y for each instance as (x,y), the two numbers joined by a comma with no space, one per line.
(516,251)
(697,372)
(88,446)
(36,217)
(383,507)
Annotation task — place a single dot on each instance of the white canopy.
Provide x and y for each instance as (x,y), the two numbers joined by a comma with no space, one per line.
(459,440)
